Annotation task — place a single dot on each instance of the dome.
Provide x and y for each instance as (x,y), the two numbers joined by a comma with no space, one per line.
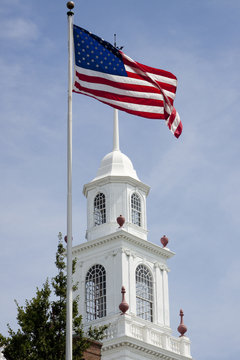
(116,164)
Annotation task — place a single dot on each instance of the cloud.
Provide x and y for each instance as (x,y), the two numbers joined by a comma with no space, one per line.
(19,29)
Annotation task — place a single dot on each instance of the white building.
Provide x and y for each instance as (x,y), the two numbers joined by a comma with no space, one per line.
(115,256)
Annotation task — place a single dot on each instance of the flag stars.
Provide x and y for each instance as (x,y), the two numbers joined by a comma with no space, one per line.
(95,54)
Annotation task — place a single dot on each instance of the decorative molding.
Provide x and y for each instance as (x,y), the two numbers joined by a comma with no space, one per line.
(115,252)
(138,345)
(126,236)
(127,252)
(115,179)
(80,264)
(163,267)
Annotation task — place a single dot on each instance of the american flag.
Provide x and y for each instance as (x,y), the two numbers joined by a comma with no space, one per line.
(107,74)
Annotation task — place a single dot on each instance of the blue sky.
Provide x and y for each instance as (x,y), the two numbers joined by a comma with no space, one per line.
(194,197)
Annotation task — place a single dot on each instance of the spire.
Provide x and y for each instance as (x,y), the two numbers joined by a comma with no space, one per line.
(115,132)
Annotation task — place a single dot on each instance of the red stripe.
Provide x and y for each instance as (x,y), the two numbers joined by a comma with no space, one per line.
(148,115)
(163,85)
(120,97)
(172,117)
(178,131)
(160,72)
(123,86)
(147,68)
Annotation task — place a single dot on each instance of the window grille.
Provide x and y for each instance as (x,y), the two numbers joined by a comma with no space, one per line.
(136,209)
(99,209)
(144,293)
(95,292)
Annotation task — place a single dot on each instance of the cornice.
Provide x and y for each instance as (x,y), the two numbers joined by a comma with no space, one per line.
(142,347)
(115,179)
(129,238)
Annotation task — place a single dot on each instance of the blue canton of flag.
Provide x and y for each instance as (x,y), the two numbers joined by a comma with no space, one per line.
(92,52)
(110,76)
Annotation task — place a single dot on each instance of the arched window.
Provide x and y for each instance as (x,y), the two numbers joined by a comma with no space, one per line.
(95,292)
(99,209)
(144,293)
(136,209)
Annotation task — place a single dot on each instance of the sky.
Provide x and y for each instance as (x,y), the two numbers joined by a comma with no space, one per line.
(194,180)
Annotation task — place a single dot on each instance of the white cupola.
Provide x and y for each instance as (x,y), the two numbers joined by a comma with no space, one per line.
(116,190)
(120,257)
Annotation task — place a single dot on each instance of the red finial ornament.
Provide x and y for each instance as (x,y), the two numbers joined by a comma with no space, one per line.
(182,328)
(164,241)
(120,220)
(65,239)
(124,305)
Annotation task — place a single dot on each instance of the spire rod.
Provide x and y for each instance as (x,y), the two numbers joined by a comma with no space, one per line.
(115,124)
(115,132)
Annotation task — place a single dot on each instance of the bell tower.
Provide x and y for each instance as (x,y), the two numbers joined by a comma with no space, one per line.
(116,190)
(116,257)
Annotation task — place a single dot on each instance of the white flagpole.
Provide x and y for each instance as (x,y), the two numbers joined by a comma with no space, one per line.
(70,6)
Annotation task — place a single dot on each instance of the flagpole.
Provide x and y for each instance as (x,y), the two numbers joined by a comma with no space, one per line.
(70,6)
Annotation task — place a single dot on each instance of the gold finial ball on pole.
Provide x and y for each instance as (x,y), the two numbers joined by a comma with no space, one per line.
(70,5)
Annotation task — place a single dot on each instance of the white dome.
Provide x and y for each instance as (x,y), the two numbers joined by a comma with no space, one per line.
(116,164)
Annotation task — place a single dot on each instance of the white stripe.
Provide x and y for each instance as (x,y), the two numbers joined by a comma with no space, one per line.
(159,78)
(163,79)
(119,79)
(175,123)
(116,78)
(129,106)
(111,89)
